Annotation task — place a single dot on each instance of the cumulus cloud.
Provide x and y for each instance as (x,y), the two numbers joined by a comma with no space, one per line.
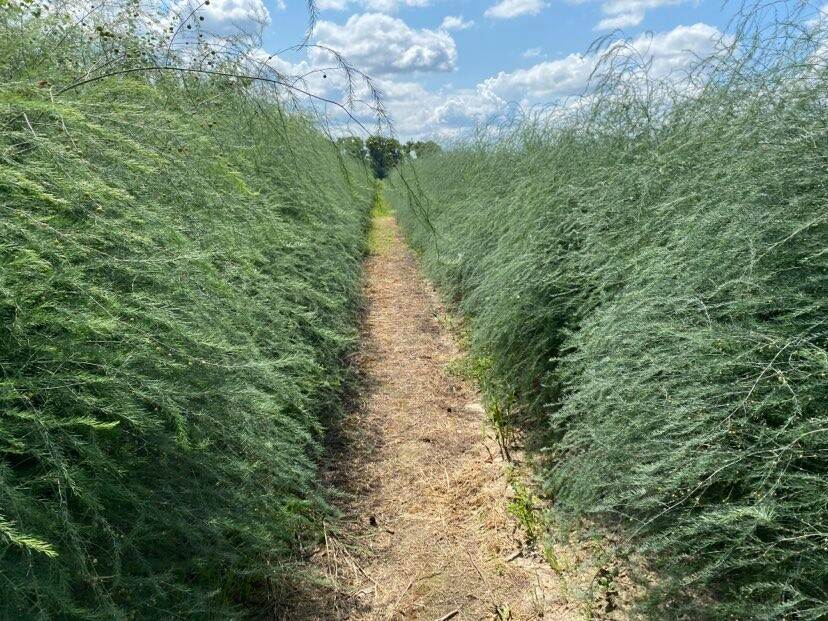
(225,18)
(821,17)
(618,22)
(543,81)
(260,58)
(508,9)
(421,113)
(465,108)
(679,48)
(391,6)
(569,76)
(628,13)
(418,112)
(380,44)
(382,6)
(455,22)
(331,5)
(449,112)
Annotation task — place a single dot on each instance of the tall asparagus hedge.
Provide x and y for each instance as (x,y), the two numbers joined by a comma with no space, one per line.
(179,276)
(647,274)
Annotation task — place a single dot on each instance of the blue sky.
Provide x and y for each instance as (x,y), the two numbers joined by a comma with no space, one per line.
(445,65)
(491,44)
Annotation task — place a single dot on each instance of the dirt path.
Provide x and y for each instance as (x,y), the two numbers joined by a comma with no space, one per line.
(425,533)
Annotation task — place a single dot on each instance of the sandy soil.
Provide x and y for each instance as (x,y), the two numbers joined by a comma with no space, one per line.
(425,532)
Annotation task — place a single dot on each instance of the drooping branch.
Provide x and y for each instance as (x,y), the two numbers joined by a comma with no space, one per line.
(213,72)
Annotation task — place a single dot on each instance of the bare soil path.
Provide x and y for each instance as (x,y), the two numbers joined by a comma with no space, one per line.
(425,533)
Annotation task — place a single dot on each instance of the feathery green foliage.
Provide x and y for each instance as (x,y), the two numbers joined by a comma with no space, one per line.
(179,277)
(647,274)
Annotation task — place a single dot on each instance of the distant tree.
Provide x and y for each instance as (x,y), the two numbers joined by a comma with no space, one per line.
(353,146)
(385,153)
(422,149)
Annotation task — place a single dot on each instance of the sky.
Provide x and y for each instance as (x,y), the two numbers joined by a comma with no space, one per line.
(445,65)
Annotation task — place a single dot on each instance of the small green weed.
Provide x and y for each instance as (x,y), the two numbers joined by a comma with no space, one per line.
(469,367)
(380,235)
(381,207)
(525,507)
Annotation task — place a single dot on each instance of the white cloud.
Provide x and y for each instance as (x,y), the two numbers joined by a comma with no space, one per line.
(419,113)
(618,22)
(821,17)
(677,49)
(456,22)
(544,81)
(382,6)
(464,108)
(507,9)
(224,18)
(332,5)
(379,44)
(628,13)
(532,52)
(819,22)
(391,6)
(569,76)
(617,7)
(260,58)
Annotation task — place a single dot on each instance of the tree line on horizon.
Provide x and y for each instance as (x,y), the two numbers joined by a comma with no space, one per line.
(384,153)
